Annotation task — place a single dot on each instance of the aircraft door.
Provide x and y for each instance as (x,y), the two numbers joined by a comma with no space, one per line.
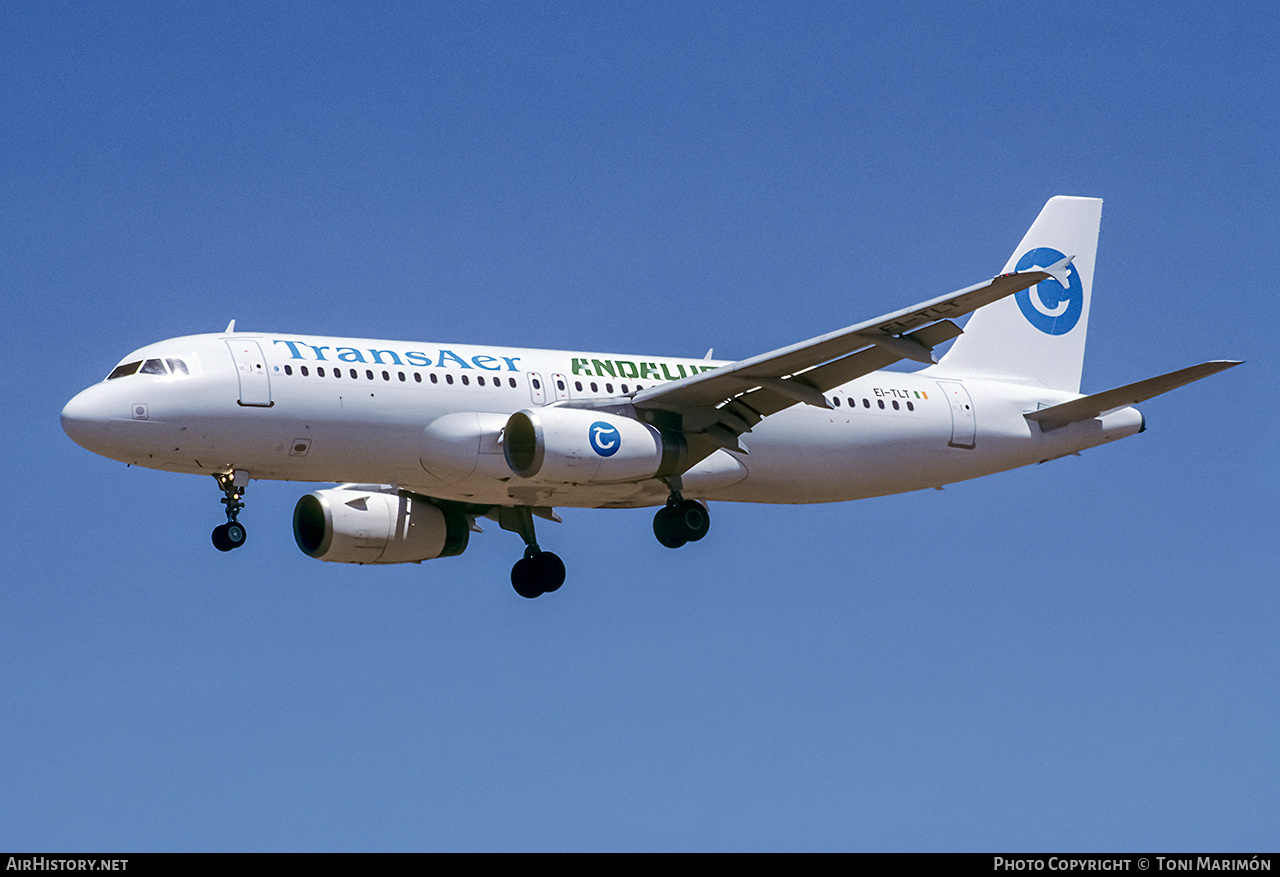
(963,430)
(560,386)
(537,391)
(251,368)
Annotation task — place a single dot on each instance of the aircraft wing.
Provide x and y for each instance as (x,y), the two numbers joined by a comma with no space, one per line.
(1089,407)
(722,404)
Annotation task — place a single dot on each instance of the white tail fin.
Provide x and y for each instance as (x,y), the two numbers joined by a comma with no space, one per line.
(1037,336)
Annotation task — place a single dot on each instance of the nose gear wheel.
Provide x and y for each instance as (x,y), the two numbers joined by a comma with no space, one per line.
(231,534)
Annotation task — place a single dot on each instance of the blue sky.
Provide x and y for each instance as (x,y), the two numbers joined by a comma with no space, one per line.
(1080,655)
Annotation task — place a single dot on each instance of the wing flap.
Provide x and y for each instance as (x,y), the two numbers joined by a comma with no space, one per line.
(765,400)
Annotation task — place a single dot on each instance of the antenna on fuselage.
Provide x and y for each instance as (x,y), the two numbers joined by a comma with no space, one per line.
(231,328)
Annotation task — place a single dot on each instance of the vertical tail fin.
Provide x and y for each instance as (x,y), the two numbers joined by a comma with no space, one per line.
(1037,336)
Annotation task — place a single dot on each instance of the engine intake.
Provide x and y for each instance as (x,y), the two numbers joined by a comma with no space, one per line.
(373,525)
(575,446)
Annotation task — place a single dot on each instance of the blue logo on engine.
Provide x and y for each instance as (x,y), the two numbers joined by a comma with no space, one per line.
(605,438)
(1049,306)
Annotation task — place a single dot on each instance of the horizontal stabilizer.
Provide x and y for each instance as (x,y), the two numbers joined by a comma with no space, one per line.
(1089,407)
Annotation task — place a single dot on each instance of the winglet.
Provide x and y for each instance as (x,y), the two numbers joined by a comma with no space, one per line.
(1058,271)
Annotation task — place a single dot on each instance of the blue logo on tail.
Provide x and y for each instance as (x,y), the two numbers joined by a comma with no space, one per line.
(605,438)
(1049,306)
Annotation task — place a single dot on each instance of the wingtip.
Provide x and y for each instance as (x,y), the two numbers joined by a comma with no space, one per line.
(1060,271)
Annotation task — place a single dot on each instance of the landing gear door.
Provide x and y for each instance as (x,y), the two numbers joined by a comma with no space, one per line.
(962,421)
(251,368)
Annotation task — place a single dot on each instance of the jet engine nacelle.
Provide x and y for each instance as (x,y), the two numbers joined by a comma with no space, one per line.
(373,524)
(462,445)
(575,446)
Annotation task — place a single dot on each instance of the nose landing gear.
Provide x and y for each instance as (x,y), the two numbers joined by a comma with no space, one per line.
(231,534)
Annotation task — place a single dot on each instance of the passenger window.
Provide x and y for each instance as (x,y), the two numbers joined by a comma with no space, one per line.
(896,406)
(368,373)
(911,406)
(608,388)
(624,388)
(448,379)
(417,377)
(386,376)
(595,388)
(401,374)
(537,385)
(288,369)
(303,369)
(480,380)
(354,374)
(513,382)
(466,381)
(880,402)
(435,379)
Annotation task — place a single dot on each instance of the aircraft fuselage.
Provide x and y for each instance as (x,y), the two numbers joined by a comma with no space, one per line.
(303,408)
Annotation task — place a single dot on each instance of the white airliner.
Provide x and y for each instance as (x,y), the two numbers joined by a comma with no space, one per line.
(426,438)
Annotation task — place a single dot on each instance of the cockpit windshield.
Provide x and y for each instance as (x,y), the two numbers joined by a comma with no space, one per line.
(124,370)
(175,367)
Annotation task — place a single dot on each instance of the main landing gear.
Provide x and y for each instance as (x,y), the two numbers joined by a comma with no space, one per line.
(231,534)
(538,572)
(680,520)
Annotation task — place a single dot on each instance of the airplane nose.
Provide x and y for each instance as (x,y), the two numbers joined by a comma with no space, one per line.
(85,418)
